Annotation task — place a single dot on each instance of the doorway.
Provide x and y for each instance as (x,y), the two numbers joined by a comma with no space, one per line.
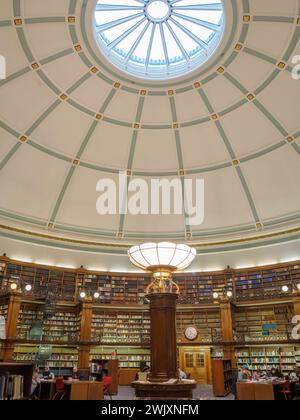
(196,362)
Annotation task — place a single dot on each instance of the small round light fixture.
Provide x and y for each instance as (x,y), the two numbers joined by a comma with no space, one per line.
(285,289)
(229,294)
(28,287)
(298,286)
(82,295)
(14,286)
(216,295)
(96,295)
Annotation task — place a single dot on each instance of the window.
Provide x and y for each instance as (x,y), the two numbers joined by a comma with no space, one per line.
(159,39)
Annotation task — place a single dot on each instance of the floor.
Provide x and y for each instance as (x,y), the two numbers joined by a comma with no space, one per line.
(203,392)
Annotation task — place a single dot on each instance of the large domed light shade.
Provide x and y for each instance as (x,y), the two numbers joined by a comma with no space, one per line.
(150,256)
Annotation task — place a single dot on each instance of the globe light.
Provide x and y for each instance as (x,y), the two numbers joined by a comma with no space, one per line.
(82,295)
(298,286)
(28,287)
(285,289)
(229,294)
(14,286)
(216,295)
(151,256)
(96,295)
(162,259)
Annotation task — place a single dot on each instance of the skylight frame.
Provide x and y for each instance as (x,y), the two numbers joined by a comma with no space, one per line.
(177,25)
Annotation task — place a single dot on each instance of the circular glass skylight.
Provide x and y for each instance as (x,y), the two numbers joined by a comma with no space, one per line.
(159,39)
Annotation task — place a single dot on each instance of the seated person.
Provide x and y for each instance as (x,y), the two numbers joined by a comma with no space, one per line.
(276,373)
(144,369)
(256,376)
(35,384)
(47,374)
(75,374)
(182,374)
(247,373)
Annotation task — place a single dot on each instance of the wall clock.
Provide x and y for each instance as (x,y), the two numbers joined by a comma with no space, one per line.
(191,333)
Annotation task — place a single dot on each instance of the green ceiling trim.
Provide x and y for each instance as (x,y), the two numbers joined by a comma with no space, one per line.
(267,82)
(296,147)
(134,140)
(293,44)
(17,8)
(260,55)
(274,19)
(111,249)
(25,45)
(22,218)
(248,194)
(62,194)
(232,155)
(39,121)
(271,118)
(294,217)
(236,83)
(53,19)
(9,155)
(72,7)
(15,75)
(80,107)
(4,23)
(80,82)
(57,56)
(246,6)
(48,82)
(48,151)
(264,151)
(78,155)
(9,130)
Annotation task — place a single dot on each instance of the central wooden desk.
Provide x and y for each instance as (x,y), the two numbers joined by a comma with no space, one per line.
(76,390)
(255,391)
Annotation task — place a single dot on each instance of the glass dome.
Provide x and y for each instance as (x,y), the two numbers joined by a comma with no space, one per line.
(164,254)
(159,39)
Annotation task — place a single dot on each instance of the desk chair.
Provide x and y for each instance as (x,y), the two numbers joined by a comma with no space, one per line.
(285,390)
(59,389)
(107,381)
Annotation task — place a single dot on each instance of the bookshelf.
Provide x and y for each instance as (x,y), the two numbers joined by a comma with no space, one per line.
(60,360)
(130,357)
(32,325)
(115,289)
(207,322)
(118,327)
(223,378)
(286,358)
(264,323)
(23,369)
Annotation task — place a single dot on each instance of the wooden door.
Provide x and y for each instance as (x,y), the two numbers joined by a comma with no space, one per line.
(196,362)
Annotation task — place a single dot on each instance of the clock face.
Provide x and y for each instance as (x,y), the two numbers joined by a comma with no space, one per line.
(191,333)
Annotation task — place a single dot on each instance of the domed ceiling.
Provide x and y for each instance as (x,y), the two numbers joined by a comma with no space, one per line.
(68,117)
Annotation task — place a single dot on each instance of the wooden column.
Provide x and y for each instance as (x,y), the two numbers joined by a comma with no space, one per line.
(226,309)
(163,337)
(13,310)
(85,335)
(296,302)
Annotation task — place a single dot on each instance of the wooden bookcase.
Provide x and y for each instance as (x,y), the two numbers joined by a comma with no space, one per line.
(264,324)
(222,375)
(286,358)
(23,369)
(106,367)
